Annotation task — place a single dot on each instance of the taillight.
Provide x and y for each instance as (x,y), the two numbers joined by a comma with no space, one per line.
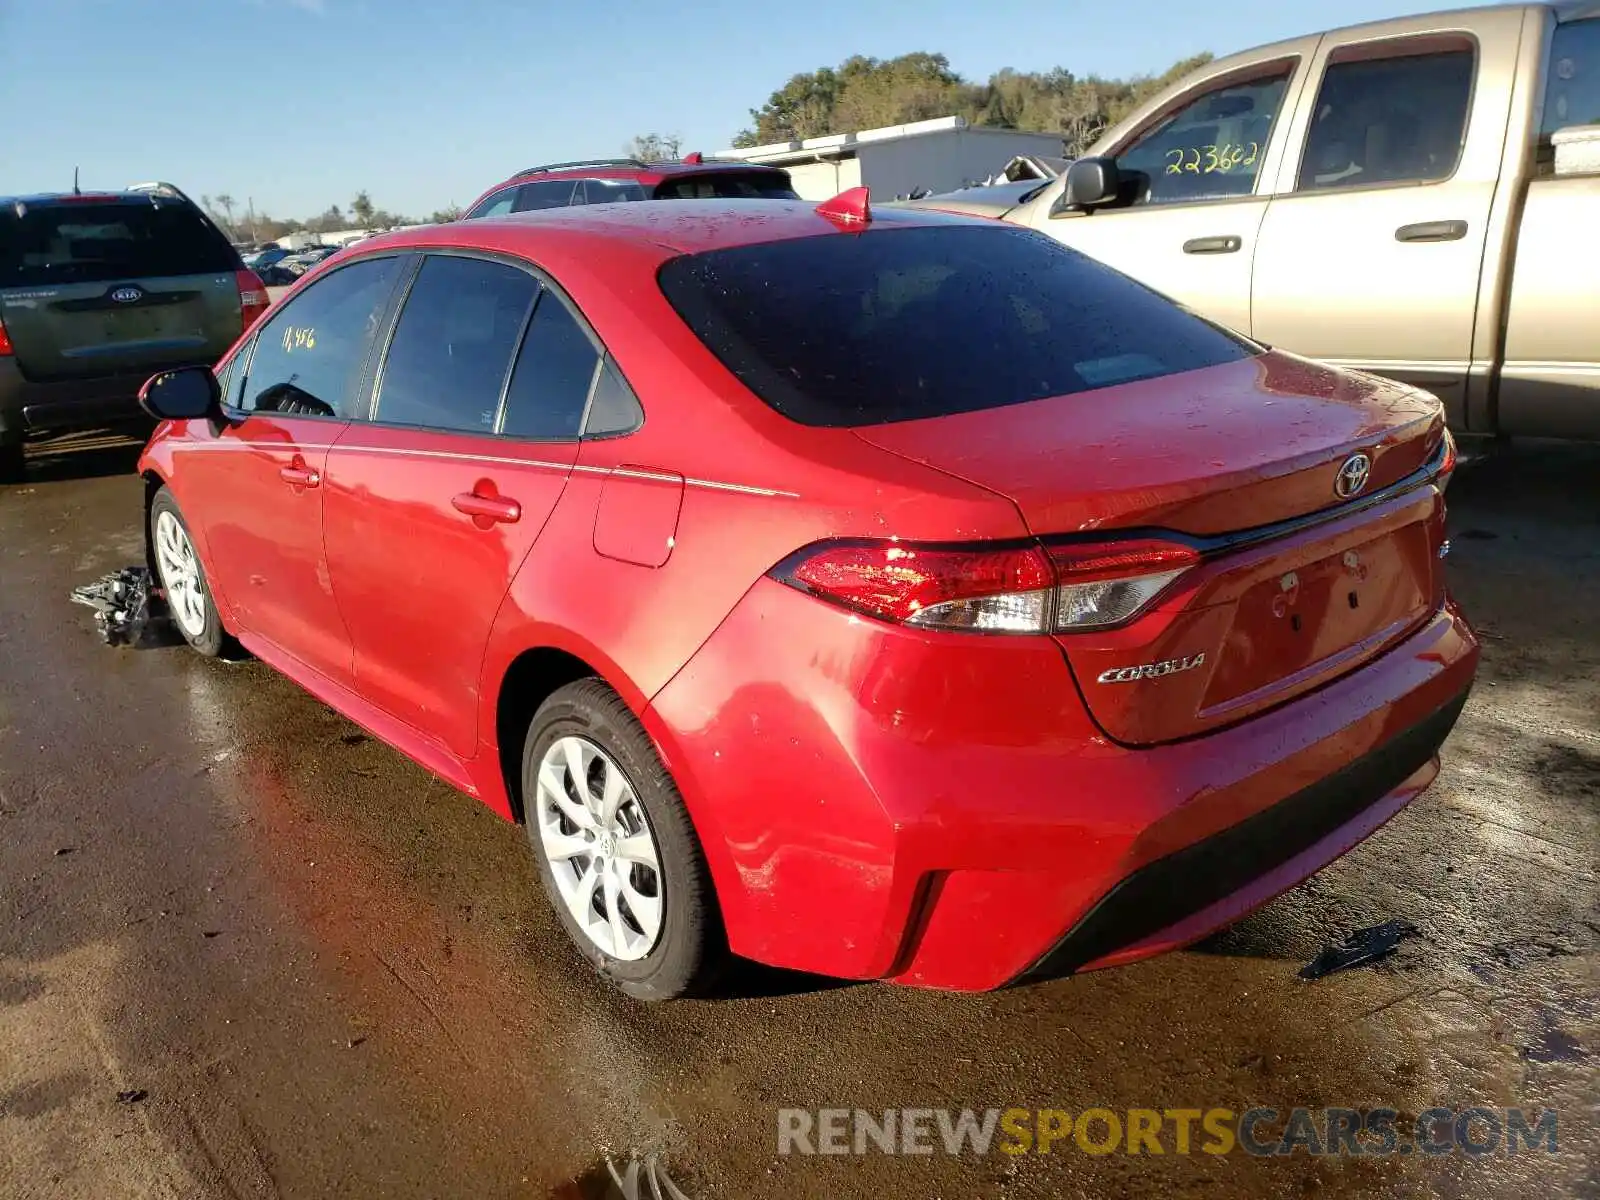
(253,298)
(6,348)
(1106,583)
(1447,461)
(1027,589)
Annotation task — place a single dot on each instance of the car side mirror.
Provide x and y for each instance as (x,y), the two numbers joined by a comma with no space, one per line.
(1092,183)
(187,394)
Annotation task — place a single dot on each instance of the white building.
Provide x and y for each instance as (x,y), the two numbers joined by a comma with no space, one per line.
(937,156)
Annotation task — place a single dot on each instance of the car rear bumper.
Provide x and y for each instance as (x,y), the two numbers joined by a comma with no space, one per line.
(27,406)
(939,810)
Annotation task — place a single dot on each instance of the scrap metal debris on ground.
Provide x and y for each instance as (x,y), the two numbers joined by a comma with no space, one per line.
(122,604)
(1362,946)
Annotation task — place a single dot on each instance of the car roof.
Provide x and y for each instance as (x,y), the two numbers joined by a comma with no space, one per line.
(41,199)
(677,226)
(633,168)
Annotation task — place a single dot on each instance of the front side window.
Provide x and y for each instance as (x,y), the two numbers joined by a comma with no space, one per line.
(1572,97)
(552,193)
(554,373)
(1386,114)
(1212,146)
(309,356)
(495,205)
(897,324)
(448,359)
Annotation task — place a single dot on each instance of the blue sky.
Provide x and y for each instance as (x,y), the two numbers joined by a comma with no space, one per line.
(300,103)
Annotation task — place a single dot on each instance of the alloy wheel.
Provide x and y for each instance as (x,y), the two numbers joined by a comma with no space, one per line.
(594,832)
(180,575)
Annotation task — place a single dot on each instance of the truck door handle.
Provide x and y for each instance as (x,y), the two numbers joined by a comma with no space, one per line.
(1432,231)
(299,475)
(1213,245)
(485,510)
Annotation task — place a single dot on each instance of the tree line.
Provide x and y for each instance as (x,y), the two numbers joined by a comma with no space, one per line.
(255,226)
(869,93)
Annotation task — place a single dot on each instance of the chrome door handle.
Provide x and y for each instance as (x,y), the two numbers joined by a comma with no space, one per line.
(299,476)
(1432,231)
(1229,244)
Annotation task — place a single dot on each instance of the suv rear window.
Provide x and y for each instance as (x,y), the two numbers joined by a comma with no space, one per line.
(727,185)
(900,324)
(89,243)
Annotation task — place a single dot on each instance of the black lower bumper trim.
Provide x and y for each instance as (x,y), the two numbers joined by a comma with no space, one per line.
(1164,892)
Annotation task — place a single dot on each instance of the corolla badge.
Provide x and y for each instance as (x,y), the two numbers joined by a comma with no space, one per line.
(1171,666)
(128,295)
(1352,476)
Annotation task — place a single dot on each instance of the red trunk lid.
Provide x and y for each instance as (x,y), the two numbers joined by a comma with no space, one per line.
(1210,454)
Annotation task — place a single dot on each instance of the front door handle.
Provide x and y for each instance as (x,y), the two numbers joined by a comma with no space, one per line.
(1432,231)
(299,475)
(487,510)
(1213,245)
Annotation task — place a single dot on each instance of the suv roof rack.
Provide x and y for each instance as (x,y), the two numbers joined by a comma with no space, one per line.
(158,188)
(584,162)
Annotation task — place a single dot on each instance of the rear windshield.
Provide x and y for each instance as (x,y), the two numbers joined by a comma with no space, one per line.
(899,324)
(727,185)
(92,243)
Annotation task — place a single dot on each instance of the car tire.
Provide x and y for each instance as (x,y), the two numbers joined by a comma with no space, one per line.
(688,949)
(13,463)
(183,579)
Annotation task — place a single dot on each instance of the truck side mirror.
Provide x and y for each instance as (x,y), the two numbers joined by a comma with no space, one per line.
(1091,183)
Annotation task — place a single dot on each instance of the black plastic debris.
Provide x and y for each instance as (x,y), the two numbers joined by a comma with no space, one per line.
(123,605)
(1361,947)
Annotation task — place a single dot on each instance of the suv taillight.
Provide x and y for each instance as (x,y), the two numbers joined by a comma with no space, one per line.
(1028,589)
(253,299)
(6,348)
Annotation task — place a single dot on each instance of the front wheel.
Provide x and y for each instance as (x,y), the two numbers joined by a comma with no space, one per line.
(617,853)
(183,578)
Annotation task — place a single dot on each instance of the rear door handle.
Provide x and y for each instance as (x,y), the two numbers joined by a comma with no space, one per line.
(1432,231)
(299,475)
(1213,245)
(487,509)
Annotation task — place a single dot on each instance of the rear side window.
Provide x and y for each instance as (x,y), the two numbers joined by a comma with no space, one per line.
(727,185)
(611,191)
(448,359)
(92,243)
(1389,115)
(554,373)
(1572,96)
(311,352)
(899,324)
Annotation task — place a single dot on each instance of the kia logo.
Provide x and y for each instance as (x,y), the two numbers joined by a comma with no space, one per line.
(1352,476)
(127,295)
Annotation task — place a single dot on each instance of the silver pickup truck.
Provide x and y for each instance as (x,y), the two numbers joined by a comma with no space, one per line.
(1418,198)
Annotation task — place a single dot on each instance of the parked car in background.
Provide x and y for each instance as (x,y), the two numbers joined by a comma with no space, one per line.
(299,263)
(884,595)
(612,180)
(1419,198)
(98,290)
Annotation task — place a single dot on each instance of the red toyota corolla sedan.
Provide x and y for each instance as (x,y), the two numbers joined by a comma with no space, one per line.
(886,595)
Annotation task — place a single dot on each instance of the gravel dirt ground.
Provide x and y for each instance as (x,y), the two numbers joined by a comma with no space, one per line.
(246,951)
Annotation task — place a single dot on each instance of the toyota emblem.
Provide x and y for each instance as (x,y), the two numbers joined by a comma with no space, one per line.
(1352,476)
(127,295)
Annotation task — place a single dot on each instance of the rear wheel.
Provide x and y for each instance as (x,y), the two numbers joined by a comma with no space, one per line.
(13,463)
(183,578)
(616,850)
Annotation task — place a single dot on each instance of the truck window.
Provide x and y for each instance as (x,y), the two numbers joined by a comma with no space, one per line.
(1212,145)
(1573,93)
(1389,113)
